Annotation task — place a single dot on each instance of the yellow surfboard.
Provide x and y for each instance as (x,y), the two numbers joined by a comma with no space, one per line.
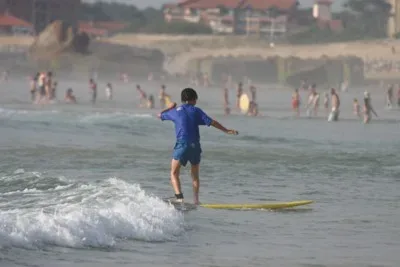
(267,206)
(244,103)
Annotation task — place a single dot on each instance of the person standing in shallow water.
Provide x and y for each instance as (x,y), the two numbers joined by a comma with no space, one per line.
(356,108)
(187,119)
(335,104)
(368,109)
(227,109)
(239,93)
(326,103)
(93,90)
(296,102)
(109,91)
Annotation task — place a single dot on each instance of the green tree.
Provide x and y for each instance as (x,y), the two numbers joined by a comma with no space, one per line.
(361,19)
(93,12)
(369,17)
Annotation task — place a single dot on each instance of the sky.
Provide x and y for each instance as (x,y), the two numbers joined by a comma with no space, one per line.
(158,3)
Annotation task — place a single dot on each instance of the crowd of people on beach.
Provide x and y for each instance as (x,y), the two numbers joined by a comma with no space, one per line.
(43,90)
(332,100)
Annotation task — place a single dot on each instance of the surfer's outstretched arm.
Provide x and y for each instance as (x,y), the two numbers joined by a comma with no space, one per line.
(219,126)
(167,109)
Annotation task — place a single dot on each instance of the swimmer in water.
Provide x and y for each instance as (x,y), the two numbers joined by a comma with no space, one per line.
(368,109)
(398,97)
(326,103)
(93,90)
(389,96)
(49,85)
(54,90)
(33,85)
(239,93)
(356,107)
(253,109)
(335,103)
(143,96)
(162,96)
(41,96)
(310,103)
(315,103)
(296,102)
(227,109)
(187,119)
(69,96)
(150,102)
(109,91)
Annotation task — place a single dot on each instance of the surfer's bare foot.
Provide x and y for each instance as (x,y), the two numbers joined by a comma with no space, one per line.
(196,202)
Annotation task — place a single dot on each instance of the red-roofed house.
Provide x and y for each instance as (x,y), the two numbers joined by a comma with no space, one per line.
(234,16)
(42,12)
(13,25)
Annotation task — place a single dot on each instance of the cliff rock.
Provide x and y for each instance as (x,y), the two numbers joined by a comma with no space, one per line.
(57,38)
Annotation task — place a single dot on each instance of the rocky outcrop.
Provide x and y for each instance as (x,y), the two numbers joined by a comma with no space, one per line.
(57,38)
(60,48)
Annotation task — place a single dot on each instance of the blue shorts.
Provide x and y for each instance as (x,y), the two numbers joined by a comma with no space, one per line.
(185,152)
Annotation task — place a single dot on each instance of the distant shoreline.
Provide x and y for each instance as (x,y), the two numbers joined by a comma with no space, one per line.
(210,46)
(242,46)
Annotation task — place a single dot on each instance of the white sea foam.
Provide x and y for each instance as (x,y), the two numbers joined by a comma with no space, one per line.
(116,116)
(5,112)
(85,215)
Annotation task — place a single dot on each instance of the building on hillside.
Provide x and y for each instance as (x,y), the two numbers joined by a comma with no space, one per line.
(393,26)
(322,10)
(10,25)
(40,13)
(261,17)
(323,14)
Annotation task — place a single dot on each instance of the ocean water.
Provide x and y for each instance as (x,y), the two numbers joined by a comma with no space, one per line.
(81,185)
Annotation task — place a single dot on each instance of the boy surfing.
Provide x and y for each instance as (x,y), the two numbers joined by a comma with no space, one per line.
(187,119)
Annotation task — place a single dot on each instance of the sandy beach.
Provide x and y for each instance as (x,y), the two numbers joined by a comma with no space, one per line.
(240,46)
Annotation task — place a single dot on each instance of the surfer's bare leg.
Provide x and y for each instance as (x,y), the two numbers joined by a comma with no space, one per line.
(196,182)
(175,169)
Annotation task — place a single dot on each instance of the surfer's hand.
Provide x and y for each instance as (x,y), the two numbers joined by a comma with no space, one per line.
(233,132)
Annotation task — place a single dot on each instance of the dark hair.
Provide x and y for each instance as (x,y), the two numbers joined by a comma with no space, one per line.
(188,94)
